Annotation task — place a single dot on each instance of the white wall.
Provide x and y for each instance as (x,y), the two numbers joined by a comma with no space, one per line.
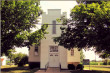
(45,43)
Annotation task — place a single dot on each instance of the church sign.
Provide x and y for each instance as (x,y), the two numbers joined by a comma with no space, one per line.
(86,61)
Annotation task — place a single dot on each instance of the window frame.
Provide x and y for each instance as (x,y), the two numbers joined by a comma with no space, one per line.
(36,50)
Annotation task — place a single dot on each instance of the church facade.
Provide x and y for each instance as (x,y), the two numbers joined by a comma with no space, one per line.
(50,53)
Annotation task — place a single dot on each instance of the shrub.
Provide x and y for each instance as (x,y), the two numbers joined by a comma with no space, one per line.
(71,67)
(7,62)
(101,63)
(23,61)
(93,63)
(80,67)
(106,62)
(20,59)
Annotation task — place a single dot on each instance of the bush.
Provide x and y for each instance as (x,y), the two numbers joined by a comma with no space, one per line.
(71,67)
(93,63)
(106,62)
(7,62)
(20,59)
(23,61)
(80,67)
(101,63)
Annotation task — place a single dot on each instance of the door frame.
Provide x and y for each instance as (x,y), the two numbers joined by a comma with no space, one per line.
(53,53)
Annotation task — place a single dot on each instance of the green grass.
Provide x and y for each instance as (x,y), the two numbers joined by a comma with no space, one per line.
(15,69)
(7,61)
(97,67)
(25,69)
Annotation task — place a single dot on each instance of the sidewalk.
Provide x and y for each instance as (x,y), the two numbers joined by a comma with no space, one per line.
(53,70)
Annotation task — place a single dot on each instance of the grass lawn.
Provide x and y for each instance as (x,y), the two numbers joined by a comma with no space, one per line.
(15,69)
(98,67)
(94,69)
(88,71)
(25,69)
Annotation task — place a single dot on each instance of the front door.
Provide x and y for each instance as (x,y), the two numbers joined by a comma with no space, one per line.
(53,56)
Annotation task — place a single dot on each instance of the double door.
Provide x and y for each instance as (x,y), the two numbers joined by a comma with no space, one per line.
(53,56)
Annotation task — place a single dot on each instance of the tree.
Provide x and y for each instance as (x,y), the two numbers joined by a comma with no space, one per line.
(11,55)
(88,1)
(82,56)
(106,58)
(88,26)
(104,55)
(18,17)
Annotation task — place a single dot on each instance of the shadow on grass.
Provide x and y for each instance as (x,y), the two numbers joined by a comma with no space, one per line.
(18,70)
(88,71)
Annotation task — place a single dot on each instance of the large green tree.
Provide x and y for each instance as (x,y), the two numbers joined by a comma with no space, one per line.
(18,17)
(88,1)
(88,26)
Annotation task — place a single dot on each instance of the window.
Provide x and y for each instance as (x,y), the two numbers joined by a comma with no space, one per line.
(72,52)
(53,48)
(36,49)
(54,27)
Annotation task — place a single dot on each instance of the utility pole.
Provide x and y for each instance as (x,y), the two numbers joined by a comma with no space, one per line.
(95,56)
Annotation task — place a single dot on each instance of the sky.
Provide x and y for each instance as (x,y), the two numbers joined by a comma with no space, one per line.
(65,6)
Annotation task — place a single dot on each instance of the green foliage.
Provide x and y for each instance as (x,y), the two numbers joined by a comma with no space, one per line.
(88,1)
(82,56)
(23,61)
(89,26)
(35,37)
(93,63)
(105,55)
(79,67)
(101,63)
(11,55)
(18,18)
(20,58)
(7,62)
(106,62)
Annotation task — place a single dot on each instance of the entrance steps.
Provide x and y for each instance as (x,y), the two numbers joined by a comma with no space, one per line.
(52,70)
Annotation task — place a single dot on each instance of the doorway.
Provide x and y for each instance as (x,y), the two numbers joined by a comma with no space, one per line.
(53,56)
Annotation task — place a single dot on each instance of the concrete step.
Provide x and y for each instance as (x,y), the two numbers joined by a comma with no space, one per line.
(53,70)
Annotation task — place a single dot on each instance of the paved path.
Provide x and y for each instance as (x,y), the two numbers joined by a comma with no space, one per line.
(57,70)
(52,70)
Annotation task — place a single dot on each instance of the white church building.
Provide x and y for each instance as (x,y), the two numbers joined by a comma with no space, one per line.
(49,53)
